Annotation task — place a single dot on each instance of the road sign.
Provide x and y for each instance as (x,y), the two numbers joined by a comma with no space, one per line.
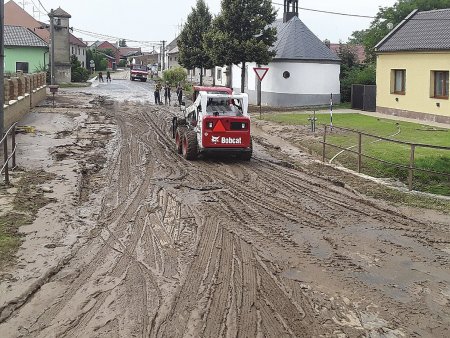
(260,72)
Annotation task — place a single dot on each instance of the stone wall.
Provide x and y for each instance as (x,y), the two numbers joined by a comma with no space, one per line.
(21,94)
(414,115)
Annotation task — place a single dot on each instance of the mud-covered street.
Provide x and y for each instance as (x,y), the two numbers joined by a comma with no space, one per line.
(163,247)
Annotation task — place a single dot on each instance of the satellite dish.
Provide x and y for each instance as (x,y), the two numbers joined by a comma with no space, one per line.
(390,26)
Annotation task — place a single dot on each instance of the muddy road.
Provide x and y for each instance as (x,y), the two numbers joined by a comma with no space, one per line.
(223,248)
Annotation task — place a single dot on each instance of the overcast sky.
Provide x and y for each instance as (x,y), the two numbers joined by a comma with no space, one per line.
(152,20)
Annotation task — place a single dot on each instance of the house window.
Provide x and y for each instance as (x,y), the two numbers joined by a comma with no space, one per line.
(79,51)
(219,74)
(399,81)
(23,66)
(73,50)
(440,79)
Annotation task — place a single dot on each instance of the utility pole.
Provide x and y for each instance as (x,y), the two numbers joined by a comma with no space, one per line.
(38,12)
(163,55)
(52,51)
(2,68)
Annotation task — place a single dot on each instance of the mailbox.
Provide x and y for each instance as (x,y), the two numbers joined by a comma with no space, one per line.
(53,88)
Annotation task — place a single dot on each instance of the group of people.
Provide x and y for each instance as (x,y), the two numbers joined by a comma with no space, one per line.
(167,93)
(108,76)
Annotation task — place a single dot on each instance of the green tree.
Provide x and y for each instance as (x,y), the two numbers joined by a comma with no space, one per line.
(99,59)
(123,43)
(392,15)
(79,74)
(190,42)
(242,33)
(174,76)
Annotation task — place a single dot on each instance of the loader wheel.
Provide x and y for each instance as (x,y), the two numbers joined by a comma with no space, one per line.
(179,134)
(189,147)
(248,155)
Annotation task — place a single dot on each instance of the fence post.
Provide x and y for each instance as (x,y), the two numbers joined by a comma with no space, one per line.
(359,152)
(411,167)
(324,144)
(5,150)
(13,145)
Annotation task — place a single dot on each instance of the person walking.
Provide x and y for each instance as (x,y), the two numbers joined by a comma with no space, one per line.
(108,76)
(167,94)
(100,77)
(158,92)
(179,94)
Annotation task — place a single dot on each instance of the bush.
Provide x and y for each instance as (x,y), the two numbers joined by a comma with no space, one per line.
(79,74)
(174,76)
(122,63)
(364,75)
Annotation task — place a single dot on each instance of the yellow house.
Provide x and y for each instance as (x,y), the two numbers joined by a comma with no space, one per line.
(413,64)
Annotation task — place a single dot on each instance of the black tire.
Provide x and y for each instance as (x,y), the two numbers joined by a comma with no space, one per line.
(248,155)
(179,135)
(189,147)
(144,80)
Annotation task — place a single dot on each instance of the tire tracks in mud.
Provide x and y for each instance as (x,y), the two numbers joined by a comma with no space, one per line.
(202,249)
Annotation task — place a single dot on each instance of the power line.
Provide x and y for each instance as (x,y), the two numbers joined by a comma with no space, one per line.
(37,9)
(360,16)
(40,3)
(110,37)
(330,12)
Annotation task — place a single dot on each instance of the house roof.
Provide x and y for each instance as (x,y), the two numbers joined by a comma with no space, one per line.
(174,50)
(419,31)
(129,51)
(105,45)
(357,49)
(73,40)
(172,44)
(296,42)
(17,16)
(60,13)
(22,37)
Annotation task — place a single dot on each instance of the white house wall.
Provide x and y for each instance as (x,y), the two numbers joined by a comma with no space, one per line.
(80,53)
(309,84)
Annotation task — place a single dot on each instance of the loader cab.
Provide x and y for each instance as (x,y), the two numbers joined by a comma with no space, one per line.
(192,118)
(210,90)
(224,107)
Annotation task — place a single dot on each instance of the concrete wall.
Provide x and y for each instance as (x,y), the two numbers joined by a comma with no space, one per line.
(36,57)
(22,94)
(62,52)
(418,100)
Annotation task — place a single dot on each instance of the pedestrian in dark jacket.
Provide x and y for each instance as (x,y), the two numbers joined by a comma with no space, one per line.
(167,94)
(100,77)
(158,89)
(179,94)
(108,76)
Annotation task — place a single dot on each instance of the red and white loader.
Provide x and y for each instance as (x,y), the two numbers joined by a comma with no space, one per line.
(214,123)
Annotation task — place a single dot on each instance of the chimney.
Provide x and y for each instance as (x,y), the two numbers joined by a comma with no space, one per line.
(290,10)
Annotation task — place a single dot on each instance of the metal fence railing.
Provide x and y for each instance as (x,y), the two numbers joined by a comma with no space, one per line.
(9,156)
(411,168)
